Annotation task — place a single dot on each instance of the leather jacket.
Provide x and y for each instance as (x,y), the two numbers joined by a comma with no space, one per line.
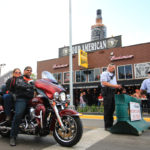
(23,89)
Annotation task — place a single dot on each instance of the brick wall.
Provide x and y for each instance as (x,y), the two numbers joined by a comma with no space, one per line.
(100,58)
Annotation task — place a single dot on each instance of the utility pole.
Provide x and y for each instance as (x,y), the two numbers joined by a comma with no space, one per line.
(70,54)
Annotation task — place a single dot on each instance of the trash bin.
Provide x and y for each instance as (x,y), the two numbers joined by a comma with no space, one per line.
(129,116)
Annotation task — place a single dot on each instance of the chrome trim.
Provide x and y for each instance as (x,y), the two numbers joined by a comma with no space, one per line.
(41,119)
(58,117)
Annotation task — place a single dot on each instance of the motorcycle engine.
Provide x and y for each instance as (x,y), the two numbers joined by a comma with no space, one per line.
(29,124)
(32,113)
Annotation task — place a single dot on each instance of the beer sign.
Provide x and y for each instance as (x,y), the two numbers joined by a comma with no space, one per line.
(82,59)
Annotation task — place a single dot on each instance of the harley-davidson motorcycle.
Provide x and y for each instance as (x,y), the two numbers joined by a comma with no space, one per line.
(47,113)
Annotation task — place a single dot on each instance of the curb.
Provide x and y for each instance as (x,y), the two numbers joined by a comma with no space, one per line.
(101,117)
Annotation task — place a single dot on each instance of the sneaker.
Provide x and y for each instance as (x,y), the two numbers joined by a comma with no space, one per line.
(12,141)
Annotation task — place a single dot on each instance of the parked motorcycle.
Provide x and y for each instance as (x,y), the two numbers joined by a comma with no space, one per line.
(48,112)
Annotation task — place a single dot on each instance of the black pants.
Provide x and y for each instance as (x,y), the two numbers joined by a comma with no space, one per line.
(109,107)
(148,102)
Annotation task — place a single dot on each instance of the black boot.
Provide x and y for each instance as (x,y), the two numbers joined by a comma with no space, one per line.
(12,141)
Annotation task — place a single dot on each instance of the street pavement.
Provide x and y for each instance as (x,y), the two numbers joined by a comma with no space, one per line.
(94,138)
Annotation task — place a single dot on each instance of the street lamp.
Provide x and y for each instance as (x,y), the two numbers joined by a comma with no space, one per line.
(1,65)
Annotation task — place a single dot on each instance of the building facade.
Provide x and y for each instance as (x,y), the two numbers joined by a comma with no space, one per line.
(132,64)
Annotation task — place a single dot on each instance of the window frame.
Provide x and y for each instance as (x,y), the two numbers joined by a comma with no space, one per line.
(80,77)
(57,76)
(124,71)
(94,75)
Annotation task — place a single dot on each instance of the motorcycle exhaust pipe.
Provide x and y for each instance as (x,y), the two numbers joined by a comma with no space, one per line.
(5,128)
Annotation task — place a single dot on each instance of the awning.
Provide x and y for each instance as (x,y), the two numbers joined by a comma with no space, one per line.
(84,85)
(136,82)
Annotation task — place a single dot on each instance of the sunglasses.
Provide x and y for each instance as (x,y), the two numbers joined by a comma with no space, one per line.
(17,72)
(29,70)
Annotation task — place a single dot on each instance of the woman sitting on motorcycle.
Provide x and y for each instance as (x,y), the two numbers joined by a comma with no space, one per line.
(9,97)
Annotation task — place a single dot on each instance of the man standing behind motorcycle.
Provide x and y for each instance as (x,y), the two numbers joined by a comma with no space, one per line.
(24,92)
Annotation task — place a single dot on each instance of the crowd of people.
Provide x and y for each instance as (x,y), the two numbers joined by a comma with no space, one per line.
(88,97)
(84,97)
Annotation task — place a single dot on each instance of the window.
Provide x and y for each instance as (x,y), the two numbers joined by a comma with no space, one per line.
(58,77)
(55,75)
(80,76)
(66,77)
(91,76)
(128,71)
(94,75)
(97,74)
(83,76)
(121,72)
(125,72)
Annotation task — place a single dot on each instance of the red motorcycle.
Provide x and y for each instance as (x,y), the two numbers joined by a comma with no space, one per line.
(47,112)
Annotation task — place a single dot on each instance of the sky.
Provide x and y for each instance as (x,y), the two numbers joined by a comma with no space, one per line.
(34,30)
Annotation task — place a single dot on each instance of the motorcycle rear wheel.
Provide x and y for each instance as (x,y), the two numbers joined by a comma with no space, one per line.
(73,132)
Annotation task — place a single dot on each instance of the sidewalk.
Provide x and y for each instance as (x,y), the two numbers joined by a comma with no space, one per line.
(101,117)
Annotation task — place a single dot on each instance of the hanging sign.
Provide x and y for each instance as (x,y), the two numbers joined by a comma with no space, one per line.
(82,59)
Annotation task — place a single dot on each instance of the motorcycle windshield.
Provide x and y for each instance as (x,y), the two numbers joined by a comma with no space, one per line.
(47,75)
(48,84)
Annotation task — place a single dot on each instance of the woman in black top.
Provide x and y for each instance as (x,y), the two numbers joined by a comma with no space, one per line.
(8,97)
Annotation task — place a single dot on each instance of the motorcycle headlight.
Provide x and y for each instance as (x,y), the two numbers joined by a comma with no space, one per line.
(62,96)
(56,95)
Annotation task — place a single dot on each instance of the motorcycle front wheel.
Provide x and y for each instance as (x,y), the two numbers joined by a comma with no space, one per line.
(73,132)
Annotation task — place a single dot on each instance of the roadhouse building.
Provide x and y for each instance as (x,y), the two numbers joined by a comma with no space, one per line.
(132,64)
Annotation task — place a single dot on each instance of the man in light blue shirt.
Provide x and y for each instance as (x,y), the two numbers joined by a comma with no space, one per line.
(145,86)
(109,84)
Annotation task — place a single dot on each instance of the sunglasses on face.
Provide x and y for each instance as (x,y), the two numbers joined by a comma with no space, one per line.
(17,72)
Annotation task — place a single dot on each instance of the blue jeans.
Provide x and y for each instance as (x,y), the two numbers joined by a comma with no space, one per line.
(8,103)
(82,105)
(20,107)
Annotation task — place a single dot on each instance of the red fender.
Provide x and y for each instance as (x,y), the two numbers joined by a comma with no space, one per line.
(68,112)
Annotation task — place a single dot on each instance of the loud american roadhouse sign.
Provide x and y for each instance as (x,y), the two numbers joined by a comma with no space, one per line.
(82,59)
(91,46)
